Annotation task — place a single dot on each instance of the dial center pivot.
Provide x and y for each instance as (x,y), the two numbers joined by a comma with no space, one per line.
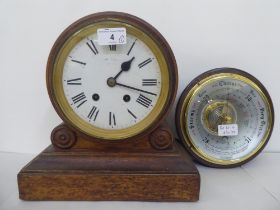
(217,113)
(111,82)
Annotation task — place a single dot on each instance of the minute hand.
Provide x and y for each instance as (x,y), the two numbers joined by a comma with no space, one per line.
(133,88)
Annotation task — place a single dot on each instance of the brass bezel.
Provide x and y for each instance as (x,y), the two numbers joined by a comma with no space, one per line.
(67,110)
(185,107)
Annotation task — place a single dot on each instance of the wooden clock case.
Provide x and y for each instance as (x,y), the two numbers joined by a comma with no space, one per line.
(148,167)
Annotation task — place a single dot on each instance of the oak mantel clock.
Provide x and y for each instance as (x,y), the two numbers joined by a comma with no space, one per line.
(112,78)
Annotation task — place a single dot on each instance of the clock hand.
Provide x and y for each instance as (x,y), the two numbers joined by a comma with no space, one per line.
(125,67)
(133,88)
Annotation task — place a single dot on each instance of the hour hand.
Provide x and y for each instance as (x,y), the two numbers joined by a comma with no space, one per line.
(125,67)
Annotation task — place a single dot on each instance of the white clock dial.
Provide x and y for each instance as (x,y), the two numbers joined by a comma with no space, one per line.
(227,101)
(105,93)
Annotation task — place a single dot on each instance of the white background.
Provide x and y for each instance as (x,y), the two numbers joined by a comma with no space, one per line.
(203,35)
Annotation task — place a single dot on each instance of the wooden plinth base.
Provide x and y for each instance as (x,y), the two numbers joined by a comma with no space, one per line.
(115,176)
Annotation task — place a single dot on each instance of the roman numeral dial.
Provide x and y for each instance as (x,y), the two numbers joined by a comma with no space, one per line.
(131,47)
(144,101)
(79,99)
(149,82)
(112,119)
(132,114)
(112,47)
(76,81)
(92,47)
(145,62)
(92,115)
(112,87)
(79,62)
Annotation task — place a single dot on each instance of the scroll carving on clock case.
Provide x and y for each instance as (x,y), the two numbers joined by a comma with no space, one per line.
(63,137)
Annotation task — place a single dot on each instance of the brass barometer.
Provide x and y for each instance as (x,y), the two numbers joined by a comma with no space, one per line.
(225,117)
